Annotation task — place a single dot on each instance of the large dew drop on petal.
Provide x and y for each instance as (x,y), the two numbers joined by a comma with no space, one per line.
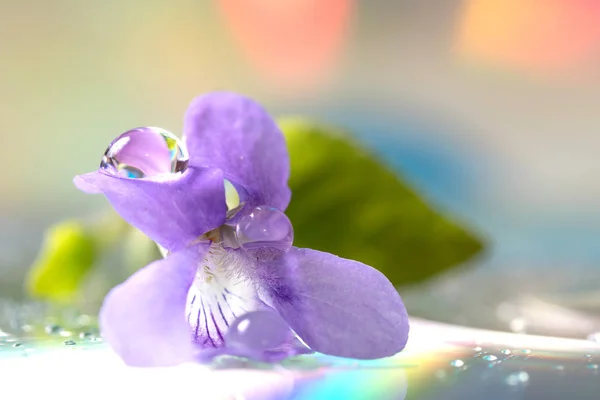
(258,330)
(143,152)
(265,227)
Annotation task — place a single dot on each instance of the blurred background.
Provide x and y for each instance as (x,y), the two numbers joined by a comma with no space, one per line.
(489,108)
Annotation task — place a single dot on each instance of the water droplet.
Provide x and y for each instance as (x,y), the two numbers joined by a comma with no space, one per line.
(457,363)
(526,351)
(478,348)
(86,335)
(27,328)
(265,227)
(18,344)
(517,379)
(593,366)
(258,330)
(489,357)
(506,352)
(65,334)
(53,329)
(69,343)
(145,151)
(559,367)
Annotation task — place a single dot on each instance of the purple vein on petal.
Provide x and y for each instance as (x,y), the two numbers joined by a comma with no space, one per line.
(229,305)
(206,324)
(190,313)
(212,316)
(221,312)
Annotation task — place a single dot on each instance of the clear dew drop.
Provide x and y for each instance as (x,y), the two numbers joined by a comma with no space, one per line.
(69,343)
(258,330)
(457,363)
(18,344)
(593,366)
(265,227)
(145,151)
(53,329)
(506,352)
(489,357)
(520,378)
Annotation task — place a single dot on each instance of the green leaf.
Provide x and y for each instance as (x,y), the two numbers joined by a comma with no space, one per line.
(68,253)
(346,202)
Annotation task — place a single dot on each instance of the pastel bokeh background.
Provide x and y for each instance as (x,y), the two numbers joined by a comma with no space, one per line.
(488,107)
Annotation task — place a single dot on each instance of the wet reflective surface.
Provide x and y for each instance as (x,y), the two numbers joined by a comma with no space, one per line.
(440,362)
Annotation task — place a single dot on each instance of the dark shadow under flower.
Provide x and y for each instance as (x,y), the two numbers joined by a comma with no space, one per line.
(230,253)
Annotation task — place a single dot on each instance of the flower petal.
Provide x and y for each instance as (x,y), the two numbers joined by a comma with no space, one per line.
(235,134)
(218,296)
(143,319)
(337,306)
(172,212)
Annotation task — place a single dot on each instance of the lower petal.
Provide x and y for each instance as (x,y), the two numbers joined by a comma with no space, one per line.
(336,306)
(143,319)
(220,294)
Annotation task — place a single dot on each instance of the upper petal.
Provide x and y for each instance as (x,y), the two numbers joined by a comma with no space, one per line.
(172,212)
(143,319)
(338,307)
(235,134)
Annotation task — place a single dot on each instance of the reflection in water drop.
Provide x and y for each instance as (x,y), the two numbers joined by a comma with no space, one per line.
(18,344)
(489,357)
(506,352)
(517,379)
(69,343)
(258,330)
(526,351)
(593,366)
(265,227)
(143,152)
(478,348)
(457,363)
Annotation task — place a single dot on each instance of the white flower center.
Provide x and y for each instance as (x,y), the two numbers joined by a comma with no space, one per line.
(221,292)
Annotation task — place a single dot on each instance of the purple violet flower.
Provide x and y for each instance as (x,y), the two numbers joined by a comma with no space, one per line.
(218,216)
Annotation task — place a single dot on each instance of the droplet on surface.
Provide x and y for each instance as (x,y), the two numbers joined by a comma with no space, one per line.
(517,379)
(69,343)
(86,335)
(457,363)
(18,344)
(265,227)
(53,329)
(526,351)
(258,330)
(593,366)
(143,152)
(506,352)
(478,349)
(489,357)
